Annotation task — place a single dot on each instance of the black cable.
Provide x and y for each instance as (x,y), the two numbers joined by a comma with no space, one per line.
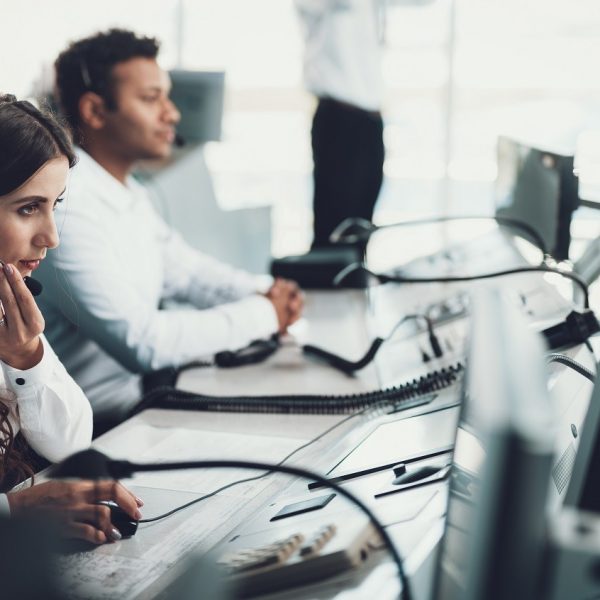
(374,408)
(400,396)
(348,366)
(255,352)
(337,236)
(591,349)
(256,478)
(383,278)
(123,469)
(573,364)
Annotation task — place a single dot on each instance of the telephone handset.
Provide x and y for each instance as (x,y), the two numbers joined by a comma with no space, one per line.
(33,285)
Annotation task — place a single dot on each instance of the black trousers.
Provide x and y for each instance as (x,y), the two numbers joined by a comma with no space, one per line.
(348,153)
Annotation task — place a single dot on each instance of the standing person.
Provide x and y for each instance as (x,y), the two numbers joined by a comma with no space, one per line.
(41,407)
(342,68)
(119,261)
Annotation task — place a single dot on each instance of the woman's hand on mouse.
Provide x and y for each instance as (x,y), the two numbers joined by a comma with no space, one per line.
(21,324)
(74,507)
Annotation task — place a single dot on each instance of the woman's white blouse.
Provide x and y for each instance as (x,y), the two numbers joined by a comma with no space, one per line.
(48,407)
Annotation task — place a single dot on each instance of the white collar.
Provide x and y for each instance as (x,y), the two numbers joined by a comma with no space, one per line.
(117,195)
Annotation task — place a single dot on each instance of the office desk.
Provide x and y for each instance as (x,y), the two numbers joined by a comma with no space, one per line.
(343,322)
(140,567)
(346,322)
(334,320)
(165,435)
(129,568)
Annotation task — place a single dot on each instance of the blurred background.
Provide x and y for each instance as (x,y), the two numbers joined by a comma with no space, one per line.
(457,74)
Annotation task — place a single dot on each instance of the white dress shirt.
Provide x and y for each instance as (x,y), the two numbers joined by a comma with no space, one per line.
(48,407)
(343,50)
(117,262)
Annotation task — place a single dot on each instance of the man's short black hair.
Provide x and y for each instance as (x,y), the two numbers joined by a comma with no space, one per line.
(87,64)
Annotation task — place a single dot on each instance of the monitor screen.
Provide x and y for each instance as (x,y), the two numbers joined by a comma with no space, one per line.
(539,188)
(584,487)
(469,456)
(493,538)
(29,547)
(198,95)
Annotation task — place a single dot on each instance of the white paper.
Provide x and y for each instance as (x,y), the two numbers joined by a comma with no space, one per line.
(182,444)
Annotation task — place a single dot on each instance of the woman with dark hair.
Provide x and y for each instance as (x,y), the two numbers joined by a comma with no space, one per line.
(42,410)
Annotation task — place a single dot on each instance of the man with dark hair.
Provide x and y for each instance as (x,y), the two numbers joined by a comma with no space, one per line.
(119,261)
(87,66)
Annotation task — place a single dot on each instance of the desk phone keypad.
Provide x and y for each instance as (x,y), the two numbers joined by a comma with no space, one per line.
(288,555)
(317,541)
(278,552)
(265,556)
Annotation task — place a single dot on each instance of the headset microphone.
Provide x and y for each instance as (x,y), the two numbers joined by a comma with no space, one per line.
(33,285)
(179,141)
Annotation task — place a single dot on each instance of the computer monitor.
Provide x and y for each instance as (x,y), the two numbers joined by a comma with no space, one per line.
(538,187)
(571,397)
(198,95)
(28,548)
(584,487)
(493,540)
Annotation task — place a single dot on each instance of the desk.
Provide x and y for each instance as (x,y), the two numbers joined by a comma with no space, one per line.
(137,562)
(345,322)
(140,566)
(334,320)
(340,321)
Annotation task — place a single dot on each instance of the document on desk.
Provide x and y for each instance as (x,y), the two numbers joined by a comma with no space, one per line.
(179,444)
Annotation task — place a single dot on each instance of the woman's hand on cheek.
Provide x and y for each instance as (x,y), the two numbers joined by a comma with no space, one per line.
(22,324)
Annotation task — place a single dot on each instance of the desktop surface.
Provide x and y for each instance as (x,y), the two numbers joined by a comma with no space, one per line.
(345,322)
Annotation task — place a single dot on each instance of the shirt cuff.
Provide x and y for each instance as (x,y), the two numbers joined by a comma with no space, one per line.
(248,283)
(19,380)
(263,283)
(4,506)
(259,318)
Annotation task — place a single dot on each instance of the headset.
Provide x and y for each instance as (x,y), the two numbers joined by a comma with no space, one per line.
(33,285)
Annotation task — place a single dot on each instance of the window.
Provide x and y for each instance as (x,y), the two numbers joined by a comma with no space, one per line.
(521,67)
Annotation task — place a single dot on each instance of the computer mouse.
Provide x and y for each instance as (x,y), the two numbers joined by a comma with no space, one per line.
(120,519)
(416,475)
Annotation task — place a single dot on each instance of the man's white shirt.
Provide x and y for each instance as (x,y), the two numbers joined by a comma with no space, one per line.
(343,50)
(104,286)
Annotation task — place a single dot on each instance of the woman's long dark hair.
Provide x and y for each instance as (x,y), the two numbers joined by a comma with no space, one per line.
(15,466)
(29,138)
